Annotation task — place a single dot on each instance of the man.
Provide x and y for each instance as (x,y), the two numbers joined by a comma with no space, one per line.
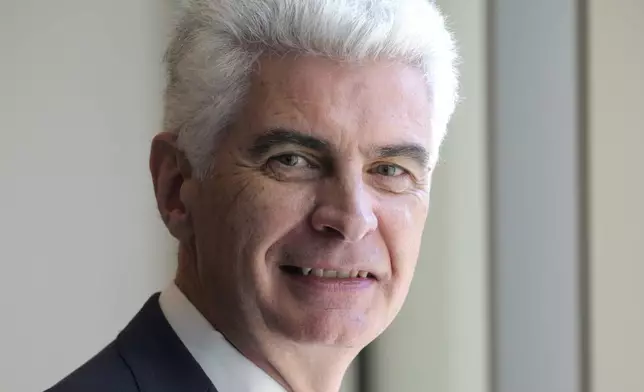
(295,170)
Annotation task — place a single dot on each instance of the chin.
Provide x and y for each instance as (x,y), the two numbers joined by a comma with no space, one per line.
(341,328)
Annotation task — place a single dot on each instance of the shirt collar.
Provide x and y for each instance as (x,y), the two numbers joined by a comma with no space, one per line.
(227,368)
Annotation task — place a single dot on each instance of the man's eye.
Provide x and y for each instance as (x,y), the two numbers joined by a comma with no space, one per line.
(292,167)
(291,160)
(389,170)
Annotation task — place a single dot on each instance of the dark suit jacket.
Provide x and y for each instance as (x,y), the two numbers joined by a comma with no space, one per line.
(147,356)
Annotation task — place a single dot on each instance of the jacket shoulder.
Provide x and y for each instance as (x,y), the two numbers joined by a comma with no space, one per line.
(105,372)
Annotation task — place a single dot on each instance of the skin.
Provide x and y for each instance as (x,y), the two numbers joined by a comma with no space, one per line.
(327,166)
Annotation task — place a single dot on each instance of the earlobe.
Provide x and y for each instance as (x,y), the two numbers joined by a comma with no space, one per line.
(179,225)
(170,171)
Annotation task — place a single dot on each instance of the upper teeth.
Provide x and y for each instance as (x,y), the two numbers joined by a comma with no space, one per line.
(329,273)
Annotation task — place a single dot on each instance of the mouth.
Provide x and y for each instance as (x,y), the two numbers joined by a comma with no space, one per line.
(324,273)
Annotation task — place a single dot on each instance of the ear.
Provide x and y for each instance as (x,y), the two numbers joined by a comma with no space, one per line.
(171,175)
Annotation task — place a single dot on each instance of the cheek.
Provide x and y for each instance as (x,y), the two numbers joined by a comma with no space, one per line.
(258,212)
(401,225)
(275,210)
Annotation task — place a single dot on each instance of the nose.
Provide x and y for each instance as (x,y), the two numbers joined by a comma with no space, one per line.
(345,209)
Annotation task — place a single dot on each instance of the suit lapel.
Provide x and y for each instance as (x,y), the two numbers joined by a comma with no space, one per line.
(156,356)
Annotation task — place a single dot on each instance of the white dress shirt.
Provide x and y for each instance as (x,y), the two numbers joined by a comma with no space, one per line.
(227,368)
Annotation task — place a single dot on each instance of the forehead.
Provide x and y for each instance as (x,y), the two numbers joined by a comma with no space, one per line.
(375,102)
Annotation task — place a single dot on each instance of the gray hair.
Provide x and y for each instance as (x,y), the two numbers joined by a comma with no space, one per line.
(216,43)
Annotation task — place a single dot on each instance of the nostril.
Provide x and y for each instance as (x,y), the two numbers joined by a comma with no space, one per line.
(329,230)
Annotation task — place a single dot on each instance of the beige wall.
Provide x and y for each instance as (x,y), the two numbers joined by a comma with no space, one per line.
(616,115)
(81,246)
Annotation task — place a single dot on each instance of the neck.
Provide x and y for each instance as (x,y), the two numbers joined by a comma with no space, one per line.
(301,367)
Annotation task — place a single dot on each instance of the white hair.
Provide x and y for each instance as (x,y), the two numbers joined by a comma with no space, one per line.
(216,43)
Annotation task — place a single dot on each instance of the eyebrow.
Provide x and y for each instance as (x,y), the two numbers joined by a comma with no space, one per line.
(413,151)
(278,137)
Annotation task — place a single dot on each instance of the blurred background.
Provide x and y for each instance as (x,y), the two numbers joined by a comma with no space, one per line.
(531,277)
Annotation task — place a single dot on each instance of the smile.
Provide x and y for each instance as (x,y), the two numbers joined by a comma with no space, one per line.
(327,273)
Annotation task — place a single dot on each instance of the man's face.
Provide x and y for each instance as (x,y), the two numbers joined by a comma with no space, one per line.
(311,223)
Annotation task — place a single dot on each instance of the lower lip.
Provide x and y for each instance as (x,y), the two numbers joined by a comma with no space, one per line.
(332,284)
